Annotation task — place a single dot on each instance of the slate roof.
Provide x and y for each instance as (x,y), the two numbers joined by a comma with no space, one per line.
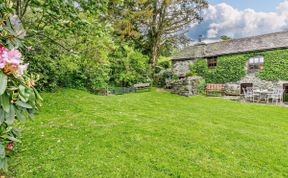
(256,43)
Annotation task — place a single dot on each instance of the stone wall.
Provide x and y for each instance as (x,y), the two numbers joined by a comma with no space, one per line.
(234,88)
(181,67)
(186,86)
(182,87)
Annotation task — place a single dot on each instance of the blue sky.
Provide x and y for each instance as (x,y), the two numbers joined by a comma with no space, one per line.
(258,5)
(241,18)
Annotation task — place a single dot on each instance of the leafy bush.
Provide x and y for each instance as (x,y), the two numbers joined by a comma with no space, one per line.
(84,67)
(129,67)
(201,86)
(47,68)
(161,77)
(19,100)
(82,73)
(164,62)
(163,71)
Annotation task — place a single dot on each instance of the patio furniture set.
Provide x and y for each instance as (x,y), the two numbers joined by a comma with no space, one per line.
(258,95)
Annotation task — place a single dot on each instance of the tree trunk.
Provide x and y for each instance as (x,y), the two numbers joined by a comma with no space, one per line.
(154,55)
(155,50)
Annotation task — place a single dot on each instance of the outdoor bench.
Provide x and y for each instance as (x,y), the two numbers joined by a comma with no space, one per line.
(219,88)
(142,86)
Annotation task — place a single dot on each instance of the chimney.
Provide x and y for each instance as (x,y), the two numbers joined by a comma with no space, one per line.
(200,38)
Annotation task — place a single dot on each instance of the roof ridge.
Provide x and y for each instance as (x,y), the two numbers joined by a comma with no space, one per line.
(249,37)
(262,42)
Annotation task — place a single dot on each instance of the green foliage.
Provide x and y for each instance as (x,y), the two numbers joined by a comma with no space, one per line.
(129,67)
(47,67)
(80,72)
(162,76)
(72,45)
(225,38)
(58,30)
(163,71)
(275,65)
(201,85)
(231,68)
(164,62)
(19,100)
(154,28)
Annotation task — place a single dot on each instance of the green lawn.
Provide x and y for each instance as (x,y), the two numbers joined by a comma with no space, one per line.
(152,134)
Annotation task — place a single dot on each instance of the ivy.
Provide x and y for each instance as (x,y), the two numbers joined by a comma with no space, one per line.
(231,68)
(275,66)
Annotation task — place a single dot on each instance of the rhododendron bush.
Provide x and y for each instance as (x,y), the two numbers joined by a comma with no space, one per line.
(19,100)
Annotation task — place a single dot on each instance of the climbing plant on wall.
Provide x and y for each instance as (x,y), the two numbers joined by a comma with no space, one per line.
(231,68)
(275,66)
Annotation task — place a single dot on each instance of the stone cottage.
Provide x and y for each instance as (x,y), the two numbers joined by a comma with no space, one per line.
(211,52)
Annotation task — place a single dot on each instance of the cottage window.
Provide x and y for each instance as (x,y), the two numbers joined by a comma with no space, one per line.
(256,63)
(212,62)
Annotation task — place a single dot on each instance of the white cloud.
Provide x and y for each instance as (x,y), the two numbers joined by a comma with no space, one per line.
(223,19)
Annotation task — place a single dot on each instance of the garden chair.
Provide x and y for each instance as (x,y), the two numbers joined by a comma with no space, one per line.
(276,96)
(256,95)
(248,94)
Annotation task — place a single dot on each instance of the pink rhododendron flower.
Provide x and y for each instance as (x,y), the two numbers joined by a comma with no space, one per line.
(2,61)
(2,49)
(22,68)
(2,65)
(12,57)
(10,68)
(10,146)
(10,61)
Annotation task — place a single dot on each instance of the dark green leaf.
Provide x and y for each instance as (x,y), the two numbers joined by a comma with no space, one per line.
(3,82)
(24,105)
(3,164)
(2,151)
(20,116)
(5,102)
(10,117)
(2,116)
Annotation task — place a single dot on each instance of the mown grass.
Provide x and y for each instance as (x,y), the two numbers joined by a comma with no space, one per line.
(152,134)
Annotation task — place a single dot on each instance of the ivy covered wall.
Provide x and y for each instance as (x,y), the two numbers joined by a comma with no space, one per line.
(232,68)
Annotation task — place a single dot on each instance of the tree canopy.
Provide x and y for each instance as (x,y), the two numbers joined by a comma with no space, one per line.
(161,23)
(97,43)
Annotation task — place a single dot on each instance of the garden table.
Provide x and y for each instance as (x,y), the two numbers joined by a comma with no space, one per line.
(262,94)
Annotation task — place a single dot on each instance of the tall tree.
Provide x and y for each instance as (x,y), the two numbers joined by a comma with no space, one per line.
(160,21)
(225,38)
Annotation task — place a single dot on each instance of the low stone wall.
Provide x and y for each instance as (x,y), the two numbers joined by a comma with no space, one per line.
(186,86)
(234,88)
